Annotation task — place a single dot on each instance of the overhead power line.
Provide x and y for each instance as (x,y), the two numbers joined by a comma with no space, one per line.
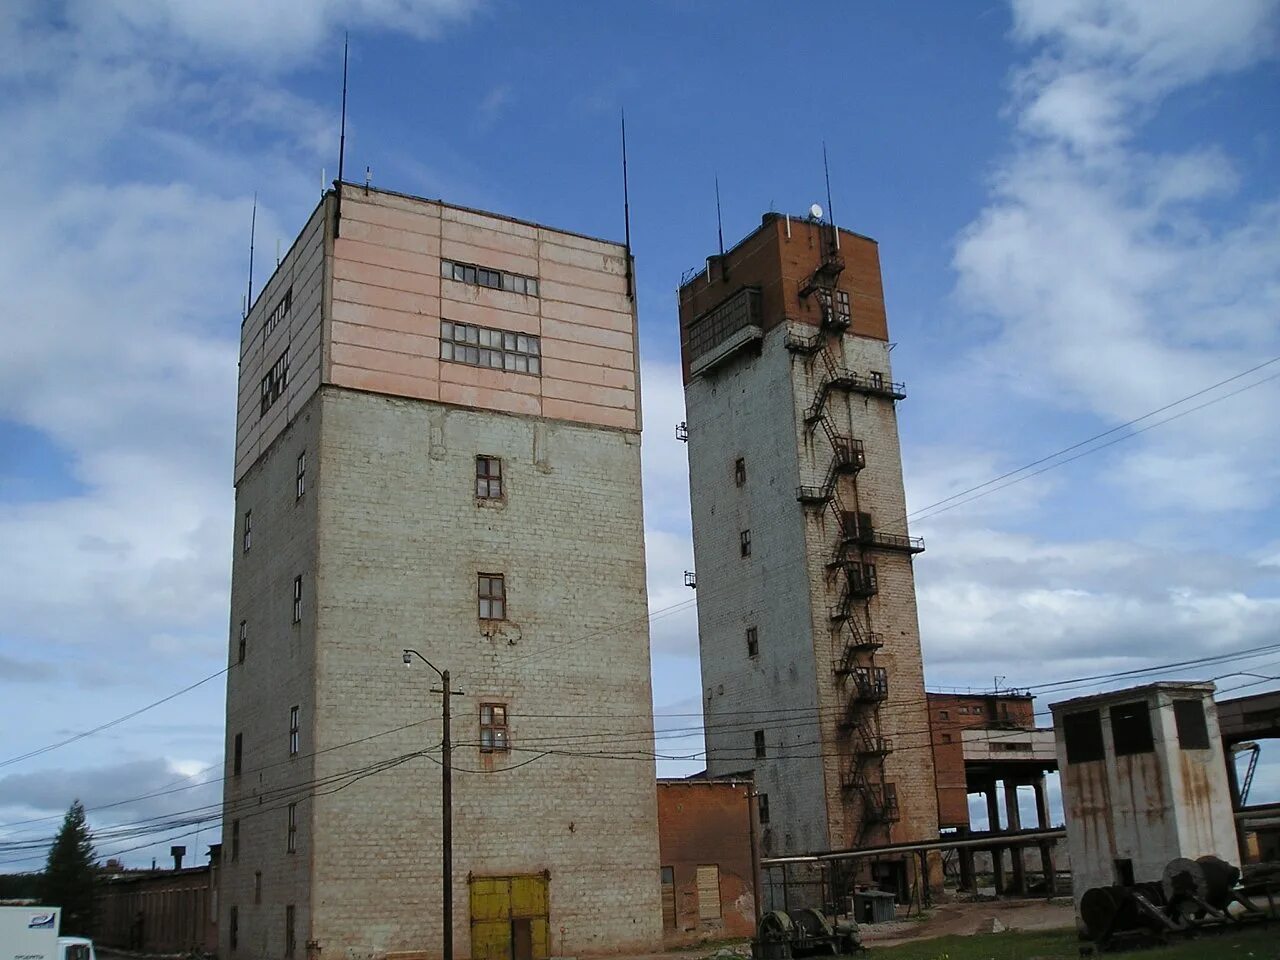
(110,723)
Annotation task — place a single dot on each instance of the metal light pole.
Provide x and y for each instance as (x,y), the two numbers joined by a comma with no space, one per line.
(446,812)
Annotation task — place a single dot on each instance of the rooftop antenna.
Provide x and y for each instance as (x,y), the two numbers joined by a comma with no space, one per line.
(626,209)
(719,221)
(342,139)
(831,211)
(253,226)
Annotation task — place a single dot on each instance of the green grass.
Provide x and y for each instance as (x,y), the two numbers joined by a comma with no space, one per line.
(1259,943)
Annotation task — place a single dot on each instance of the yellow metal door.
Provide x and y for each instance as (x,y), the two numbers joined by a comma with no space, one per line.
(490,918)
(495,903)
(529,901)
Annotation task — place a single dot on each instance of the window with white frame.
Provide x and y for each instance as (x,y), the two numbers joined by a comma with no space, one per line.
(488,277)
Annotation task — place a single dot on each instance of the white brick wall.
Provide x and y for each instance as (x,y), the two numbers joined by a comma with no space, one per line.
(754,408)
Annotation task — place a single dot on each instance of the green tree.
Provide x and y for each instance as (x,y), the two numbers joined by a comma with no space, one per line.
(70,872)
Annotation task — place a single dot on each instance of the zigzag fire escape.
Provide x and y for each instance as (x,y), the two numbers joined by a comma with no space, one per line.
(864,684)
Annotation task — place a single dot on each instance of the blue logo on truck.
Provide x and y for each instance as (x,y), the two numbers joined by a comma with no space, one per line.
(41,921)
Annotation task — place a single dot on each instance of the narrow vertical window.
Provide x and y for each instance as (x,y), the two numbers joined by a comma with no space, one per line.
(760,748)
(257,886)
(291,844)
(248,530)
(877,380)
(488,478)
(740,471)
(233,928)
(297,599)
(235,839)
(493,728)
(753,642)
(762,801)
(293,731)
(290,934)
(300,480)
(744,542)
(243,645)
(492,591)
(843,310)
(237,754)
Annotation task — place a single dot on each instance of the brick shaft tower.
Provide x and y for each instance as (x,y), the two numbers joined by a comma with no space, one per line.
(807,621)
(438,448)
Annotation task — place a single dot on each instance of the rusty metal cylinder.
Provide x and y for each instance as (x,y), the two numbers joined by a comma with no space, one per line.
(1106,911)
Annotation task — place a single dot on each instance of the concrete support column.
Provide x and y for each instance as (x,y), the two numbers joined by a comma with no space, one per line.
(1047,868)
(967,879)
(1014,816)
(993,824)
(1042,803)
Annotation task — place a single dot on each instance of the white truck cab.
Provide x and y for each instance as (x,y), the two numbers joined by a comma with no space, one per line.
(76,948)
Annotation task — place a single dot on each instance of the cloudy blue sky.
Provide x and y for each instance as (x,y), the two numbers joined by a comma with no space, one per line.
(1079,217)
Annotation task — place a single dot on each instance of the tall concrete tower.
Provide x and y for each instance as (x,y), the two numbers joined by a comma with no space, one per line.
(806,597)
(438,448)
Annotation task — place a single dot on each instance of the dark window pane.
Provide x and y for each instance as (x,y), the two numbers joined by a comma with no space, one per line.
(1131,728)
(1083,735)
(1193,729)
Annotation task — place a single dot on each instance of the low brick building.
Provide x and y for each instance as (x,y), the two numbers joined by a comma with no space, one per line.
(160,911)
(704,839)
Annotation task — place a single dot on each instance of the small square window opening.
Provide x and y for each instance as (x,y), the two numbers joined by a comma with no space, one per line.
(488,478)
(492,591)
(493,728)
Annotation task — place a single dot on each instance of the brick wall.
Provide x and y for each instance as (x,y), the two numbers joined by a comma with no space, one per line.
(704,823)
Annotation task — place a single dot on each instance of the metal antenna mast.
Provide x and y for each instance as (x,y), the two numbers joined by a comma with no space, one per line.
(253,226)
(342,140)
(626,209)
(719,221)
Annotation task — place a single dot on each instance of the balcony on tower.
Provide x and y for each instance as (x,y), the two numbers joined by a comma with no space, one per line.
(731,326)
(847,457)
(858,528)
(870,685)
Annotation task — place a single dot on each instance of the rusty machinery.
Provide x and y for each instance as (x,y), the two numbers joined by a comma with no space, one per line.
(804,933)
(1191,895)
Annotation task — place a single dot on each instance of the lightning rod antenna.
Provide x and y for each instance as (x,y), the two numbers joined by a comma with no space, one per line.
(253,226)
(719,221)
(626,209)
(342,139)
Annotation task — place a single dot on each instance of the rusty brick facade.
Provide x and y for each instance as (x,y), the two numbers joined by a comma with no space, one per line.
(951,713)
(704,824)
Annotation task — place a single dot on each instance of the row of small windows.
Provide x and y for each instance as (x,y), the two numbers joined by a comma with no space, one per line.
(275,382)
(488,277)
(1131,731)
(278,313)
(487,347)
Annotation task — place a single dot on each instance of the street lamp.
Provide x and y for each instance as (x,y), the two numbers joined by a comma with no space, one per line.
(446,813)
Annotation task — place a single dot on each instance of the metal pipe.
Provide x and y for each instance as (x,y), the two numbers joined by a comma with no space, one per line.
(1005,839)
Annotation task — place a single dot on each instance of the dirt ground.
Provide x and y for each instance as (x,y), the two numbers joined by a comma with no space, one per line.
(964,918)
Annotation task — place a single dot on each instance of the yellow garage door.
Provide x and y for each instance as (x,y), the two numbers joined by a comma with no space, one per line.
(509,918)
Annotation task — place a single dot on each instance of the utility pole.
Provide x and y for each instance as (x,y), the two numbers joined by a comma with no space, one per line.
(446,809)
(752,796)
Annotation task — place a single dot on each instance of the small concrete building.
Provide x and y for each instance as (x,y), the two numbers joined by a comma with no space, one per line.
(1143,782)
(704,836)
(438,448)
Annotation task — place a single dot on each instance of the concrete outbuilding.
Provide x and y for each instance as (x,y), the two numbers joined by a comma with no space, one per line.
(1144,781)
